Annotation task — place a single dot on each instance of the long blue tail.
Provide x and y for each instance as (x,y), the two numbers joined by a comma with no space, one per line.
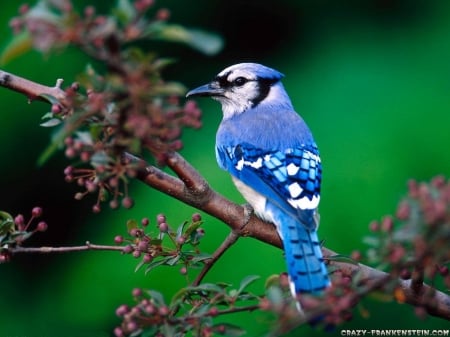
(306,268)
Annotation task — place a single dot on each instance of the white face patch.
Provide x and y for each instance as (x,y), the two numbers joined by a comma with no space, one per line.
(237,99)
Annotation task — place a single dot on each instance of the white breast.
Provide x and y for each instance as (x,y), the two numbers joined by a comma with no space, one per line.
(257,201)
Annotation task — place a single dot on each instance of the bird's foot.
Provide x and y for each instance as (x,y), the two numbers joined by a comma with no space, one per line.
(248,211)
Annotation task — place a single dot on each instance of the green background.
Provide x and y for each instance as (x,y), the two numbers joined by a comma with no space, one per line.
(372,80)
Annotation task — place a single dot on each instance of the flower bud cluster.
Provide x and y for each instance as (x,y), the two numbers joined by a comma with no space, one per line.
(16,230)
(414,243)
(147,243)
(131,109)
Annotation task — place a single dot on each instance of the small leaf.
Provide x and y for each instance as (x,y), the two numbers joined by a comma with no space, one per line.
(178,297)
(371,241)
(156,263)
(6,223)
(51,122)
(168,330)
(124,11)
(42,12)
(50,99)
(157,297)
(19,45)
(100,159)
(208,287)
(84,137)
(162,63)
(275,295)
(132,224)
(180,229)
(168,89)
(155,242)
(173,260)
(192,228)
(47,115)
(200,258)
(55,145)
(247,281)
(205,42)
(139,266)
(272,280)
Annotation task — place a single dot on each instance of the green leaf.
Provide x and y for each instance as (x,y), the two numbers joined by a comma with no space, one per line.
(51,122)
(205,42)
(200,258)
(139,266)
(55,145)
(171,261)
(84,137)
(180,229)
(155,242)
(247,281)
(192,228)
(132,224)
(43,12)
(371,241)
(208,287)
(100,158)
(50,99)
(272,280)
(19,45)
(157,297)
(124,11)
(6,223)
(156,263)
(228,329)
(178,297)
(275,295)
(169,88)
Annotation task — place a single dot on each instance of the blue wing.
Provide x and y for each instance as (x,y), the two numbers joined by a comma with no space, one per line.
(290,182)
(290,179)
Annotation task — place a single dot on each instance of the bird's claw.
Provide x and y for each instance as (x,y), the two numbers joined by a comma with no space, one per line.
(248,211)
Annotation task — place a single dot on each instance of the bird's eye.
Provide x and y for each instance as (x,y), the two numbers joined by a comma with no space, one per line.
(240,81)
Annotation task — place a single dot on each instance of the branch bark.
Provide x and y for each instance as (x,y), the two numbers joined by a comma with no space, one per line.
(48,250)
(191,188)
(32,89)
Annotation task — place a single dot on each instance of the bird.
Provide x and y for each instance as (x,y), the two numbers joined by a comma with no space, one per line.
(274,163)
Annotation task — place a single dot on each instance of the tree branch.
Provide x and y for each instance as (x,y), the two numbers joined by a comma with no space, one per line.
(191,188)
(32,89)
(48,250)
(226,244)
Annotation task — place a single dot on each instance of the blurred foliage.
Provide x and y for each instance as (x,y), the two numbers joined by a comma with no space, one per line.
(371,78)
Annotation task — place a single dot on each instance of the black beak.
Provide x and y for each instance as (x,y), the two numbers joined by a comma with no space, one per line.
(206,90)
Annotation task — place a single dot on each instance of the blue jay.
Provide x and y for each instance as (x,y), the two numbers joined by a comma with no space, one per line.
(274,163)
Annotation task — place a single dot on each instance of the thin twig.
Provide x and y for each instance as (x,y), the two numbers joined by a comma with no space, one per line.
(231,239)
(48,250)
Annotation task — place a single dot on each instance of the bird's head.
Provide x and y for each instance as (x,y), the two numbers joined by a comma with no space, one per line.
(244,86)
